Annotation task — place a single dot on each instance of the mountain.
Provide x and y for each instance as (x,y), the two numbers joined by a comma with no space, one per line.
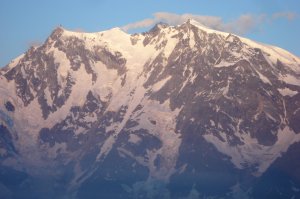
(176,112)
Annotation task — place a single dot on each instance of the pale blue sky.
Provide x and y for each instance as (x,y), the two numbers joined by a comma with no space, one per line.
(25,22)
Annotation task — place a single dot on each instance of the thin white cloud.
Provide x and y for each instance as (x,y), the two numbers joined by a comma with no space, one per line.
(174,19)
(242,25)
(286,15)
(140,24)
(245,24)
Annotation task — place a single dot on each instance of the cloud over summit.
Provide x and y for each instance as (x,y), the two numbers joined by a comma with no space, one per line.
(242,25)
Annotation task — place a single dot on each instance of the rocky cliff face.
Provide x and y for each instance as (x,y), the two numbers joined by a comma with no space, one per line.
(177,112)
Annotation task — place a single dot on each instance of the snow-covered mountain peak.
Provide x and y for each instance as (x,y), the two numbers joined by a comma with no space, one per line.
(205,28)
(91,37)
(272,53)
(198,24)
(161,30)
(168,104)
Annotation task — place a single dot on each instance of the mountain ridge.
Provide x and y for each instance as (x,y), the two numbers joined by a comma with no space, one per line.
(154,101)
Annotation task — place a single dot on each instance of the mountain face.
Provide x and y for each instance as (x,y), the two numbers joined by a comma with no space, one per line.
(176,112)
